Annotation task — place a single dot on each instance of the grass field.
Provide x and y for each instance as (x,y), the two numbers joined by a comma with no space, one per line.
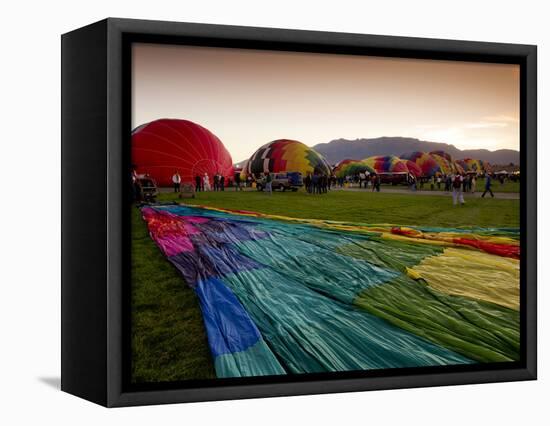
(367,207)
(168,337)
(505,187)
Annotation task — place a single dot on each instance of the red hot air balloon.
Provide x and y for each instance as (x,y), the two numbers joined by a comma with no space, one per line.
(164,146)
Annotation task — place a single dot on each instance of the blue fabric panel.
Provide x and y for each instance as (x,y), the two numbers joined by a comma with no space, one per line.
(208,261)
(228,326)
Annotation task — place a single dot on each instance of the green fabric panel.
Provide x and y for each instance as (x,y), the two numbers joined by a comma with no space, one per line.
(389,253)
(478,330)
(501,232)
(257,360)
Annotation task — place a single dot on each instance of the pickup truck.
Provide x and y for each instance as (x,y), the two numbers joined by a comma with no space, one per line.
(282,181)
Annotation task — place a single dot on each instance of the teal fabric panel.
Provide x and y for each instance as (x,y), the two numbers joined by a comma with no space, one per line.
(257,360)
(311,332)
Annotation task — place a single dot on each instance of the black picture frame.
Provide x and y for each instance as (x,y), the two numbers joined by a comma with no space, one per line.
(96,92)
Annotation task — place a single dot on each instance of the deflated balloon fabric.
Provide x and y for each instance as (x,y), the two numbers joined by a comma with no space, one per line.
(283,295)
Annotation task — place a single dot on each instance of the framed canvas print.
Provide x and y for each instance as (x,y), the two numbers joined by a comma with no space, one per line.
(252,212)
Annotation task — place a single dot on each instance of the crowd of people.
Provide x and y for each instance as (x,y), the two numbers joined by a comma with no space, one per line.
(202,182)
(457,184)
(446,182)
(317,183)
(370,181)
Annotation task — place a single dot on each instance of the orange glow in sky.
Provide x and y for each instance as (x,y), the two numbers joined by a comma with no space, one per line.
(250,97)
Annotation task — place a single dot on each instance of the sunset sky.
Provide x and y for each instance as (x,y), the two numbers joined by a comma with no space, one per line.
(250,97)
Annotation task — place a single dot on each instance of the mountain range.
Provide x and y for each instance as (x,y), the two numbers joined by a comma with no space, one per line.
(340,149)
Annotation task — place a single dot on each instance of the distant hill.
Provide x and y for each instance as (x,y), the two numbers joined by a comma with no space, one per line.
(340,149)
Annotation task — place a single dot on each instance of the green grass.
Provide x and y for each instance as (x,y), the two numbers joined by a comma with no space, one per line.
(496,186)
(367,207)
(168,337)
(508,186)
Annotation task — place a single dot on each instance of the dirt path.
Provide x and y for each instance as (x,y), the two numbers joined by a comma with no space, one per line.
(477,194)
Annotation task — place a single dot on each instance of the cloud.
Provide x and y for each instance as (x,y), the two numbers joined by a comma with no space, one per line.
(475,135)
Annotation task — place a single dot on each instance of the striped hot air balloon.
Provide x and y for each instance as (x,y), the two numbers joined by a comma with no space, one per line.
(285,155)
(471,165)
(414,168)
(351,167)
(424,161)
(443,154)
(387,164)
(451,164)
(446,166)
(342,163)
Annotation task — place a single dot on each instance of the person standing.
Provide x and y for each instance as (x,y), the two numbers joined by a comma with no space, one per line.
(216,182)
(307,183)
(198,183)
(412,182)
(316,189)
(473,183)
(458,195)
(206,182)
(222,183)
(488,186)
(238,186)
(176,180)
(268,183)
(136,186)
(448,183)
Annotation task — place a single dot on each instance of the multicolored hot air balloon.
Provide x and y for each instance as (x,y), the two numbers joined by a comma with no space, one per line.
(454,166)
(458,168)
(487,168)
(471,165)
(446,166)
(414,169)
(424,161)
(285,155)
(342,163)
(387,164)
(161,147)
(351,167)
(443,154)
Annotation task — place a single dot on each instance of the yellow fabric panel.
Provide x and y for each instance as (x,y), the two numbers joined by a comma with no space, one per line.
(473,274)
(295,156)
(385,231)
(413,274)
